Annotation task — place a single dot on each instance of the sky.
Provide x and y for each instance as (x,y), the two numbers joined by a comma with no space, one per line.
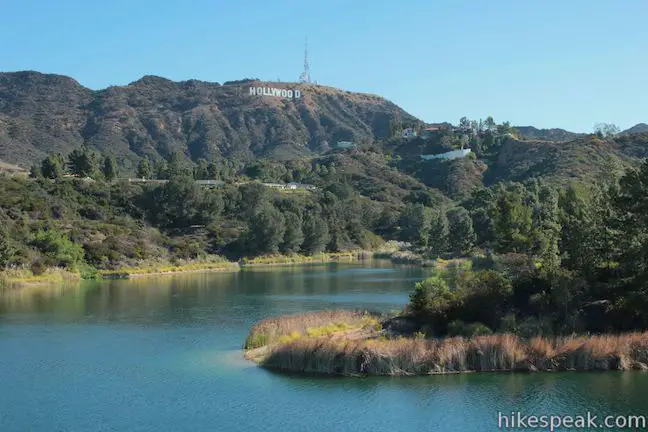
(550,63)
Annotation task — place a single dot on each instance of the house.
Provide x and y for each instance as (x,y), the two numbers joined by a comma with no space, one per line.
(430,132)
(455,154)
(409,133)
(275,185)
(345,144)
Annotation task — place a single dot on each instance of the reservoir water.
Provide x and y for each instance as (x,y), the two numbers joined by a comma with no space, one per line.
(163,354)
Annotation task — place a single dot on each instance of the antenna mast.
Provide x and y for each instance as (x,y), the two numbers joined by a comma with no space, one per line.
(305,76)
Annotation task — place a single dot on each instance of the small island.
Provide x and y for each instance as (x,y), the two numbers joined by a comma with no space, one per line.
(462,318)
(351,343)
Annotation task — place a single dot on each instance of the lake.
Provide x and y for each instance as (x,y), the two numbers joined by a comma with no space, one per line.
(163,354)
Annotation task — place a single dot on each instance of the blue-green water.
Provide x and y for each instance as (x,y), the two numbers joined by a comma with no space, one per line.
(164,354)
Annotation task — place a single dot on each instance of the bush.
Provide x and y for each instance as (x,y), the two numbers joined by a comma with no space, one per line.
(57,248)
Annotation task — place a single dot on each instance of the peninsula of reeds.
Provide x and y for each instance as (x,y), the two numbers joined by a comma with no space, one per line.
(355,344)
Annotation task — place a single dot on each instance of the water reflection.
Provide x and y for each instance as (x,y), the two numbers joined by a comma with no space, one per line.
(164,354)
(216,297)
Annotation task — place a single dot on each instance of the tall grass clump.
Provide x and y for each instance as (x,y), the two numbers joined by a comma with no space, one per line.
(492,353)
(314,324)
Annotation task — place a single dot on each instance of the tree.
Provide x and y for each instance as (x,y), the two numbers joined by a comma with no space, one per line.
(439,232)
(461,236)
(293,236)
(547,229)
(490,124)
(109,168)
(58,249)
(512,222)
(53,167)
(606,130)
(35,171)
(177,165)
(144,169)
(316,234)
(431,300)
(201,170)
(415,224)
(160,169)
(181,203)
(212,171)
(579,229)
(7,250)
(267,229)
(83,162)
(464,124)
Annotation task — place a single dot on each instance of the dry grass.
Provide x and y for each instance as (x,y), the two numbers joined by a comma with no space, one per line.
(303,259)
(416,356)
(23,277)
(315,324)
(161,268)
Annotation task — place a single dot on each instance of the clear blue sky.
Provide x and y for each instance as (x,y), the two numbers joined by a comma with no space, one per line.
(551,63)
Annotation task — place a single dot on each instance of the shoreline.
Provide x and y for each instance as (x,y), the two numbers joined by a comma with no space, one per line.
(339,343)
(53,276)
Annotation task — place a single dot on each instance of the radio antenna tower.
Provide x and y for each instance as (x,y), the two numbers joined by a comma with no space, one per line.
(305,76)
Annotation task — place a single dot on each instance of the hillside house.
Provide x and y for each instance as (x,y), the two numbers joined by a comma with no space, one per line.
(409,133)
(455,154)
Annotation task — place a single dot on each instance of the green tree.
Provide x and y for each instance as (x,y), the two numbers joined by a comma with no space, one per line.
(512,222)
(178,165)
(109,168)
(415,224)
(144,170)
(181,203)
(160,169)
(432,302)
(316,234)
(35,171)
(53,167)
(293,236)
(8,250)
(201,170)
(267,228)
(439,232)
(461,236)
(58,249)
(83,162)
(579,229)
(547,229)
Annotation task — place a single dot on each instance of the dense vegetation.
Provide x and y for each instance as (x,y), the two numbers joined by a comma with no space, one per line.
(556,261)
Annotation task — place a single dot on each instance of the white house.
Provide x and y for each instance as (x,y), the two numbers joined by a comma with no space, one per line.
(409,133)
(345,144)
(455,154)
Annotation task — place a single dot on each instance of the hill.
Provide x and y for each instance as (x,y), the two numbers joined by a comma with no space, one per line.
(42,114)
(530,132)
(638,128)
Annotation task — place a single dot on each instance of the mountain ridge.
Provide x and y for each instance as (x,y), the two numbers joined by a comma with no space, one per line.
(154,116)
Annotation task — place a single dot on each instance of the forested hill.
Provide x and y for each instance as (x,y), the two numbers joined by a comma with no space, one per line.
(44,114)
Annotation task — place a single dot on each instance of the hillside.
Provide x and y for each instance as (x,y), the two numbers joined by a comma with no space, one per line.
(638,128)
(42,114)
(530,132)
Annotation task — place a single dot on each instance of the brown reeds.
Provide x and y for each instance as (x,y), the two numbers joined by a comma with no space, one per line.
(502,352)
(270,331)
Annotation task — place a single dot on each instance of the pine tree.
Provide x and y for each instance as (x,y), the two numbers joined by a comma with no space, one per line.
(293,236)
(144,169)
(461,236)
(109,168)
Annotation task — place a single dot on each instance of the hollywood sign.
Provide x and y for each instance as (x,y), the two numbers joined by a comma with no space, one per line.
(267,91)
